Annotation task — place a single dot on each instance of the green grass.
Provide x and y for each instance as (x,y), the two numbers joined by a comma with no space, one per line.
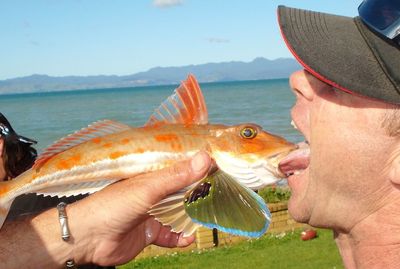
(281,251)
(274,194)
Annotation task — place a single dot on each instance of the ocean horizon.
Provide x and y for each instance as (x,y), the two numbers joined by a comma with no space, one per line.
(49,116)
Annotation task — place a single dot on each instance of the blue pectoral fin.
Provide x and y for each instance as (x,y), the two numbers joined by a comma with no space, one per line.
(219,201)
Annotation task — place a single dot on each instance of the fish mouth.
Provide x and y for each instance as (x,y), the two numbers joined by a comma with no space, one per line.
(275,160)
(296,161)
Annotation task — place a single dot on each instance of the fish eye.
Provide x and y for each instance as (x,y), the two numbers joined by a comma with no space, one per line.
(248,132)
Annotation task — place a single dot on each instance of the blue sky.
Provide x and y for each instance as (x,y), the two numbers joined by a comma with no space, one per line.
(121,37)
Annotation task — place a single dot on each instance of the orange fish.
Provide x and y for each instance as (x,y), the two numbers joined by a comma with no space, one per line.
(107,151)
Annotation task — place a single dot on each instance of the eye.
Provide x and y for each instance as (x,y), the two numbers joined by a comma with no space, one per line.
(248,133)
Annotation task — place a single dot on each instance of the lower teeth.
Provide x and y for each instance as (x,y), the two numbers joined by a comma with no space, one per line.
(297,172)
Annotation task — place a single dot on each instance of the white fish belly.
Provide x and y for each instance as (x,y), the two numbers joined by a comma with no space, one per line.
(95,176)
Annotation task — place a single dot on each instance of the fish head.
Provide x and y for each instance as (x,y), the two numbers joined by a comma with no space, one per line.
(250,154)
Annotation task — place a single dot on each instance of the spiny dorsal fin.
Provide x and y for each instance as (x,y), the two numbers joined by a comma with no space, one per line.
(185,106)
(96,129)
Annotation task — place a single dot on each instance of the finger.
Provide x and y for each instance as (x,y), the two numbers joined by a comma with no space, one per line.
(171,179)
(166,238)
(184,241)
(156,233)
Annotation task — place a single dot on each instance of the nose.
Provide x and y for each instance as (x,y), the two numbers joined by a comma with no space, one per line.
(305,85)
(301,83)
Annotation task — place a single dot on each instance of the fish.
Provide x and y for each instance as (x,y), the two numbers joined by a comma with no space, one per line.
(107,151)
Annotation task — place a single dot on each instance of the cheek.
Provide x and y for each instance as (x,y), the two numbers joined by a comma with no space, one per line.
(347,149)
(330,140)
(2,171)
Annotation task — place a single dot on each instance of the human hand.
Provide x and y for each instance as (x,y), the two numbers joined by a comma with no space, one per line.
(112,226)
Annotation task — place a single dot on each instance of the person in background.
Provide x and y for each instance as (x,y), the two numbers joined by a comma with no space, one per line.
(348,109)
(17,153)
(110,227)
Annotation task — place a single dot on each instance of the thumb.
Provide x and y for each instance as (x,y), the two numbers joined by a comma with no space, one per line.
(169,180)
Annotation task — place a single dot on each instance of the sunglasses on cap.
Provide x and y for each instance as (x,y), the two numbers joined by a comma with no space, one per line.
(383,16)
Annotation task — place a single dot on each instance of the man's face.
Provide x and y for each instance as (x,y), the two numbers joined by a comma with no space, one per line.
(346,179)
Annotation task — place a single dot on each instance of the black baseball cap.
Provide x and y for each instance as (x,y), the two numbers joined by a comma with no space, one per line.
(18,152)
(343,52)
(7,131)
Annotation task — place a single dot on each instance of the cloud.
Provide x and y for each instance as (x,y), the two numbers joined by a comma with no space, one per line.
(167,3)
(217,40)
(26,24)
(34,43)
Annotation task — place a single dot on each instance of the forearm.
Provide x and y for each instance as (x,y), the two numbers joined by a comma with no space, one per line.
(35,242)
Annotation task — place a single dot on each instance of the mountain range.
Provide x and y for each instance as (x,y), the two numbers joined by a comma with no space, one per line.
(259,68)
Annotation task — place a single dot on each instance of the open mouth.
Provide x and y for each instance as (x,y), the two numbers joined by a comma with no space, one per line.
(272,162)
(296,161)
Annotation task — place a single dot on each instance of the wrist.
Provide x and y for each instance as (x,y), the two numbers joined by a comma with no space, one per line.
(81,240)
(47,227)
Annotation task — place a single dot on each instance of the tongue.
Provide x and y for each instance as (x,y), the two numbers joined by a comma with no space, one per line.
(297,160)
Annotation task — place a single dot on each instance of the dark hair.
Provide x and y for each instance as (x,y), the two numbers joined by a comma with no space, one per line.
(18,153)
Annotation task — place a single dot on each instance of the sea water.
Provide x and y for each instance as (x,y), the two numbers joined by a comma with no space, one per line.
(47,117)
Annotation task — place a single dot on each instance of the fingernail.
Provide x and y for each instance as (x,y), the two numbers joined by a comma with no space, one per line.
(198,163)
(185,241)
